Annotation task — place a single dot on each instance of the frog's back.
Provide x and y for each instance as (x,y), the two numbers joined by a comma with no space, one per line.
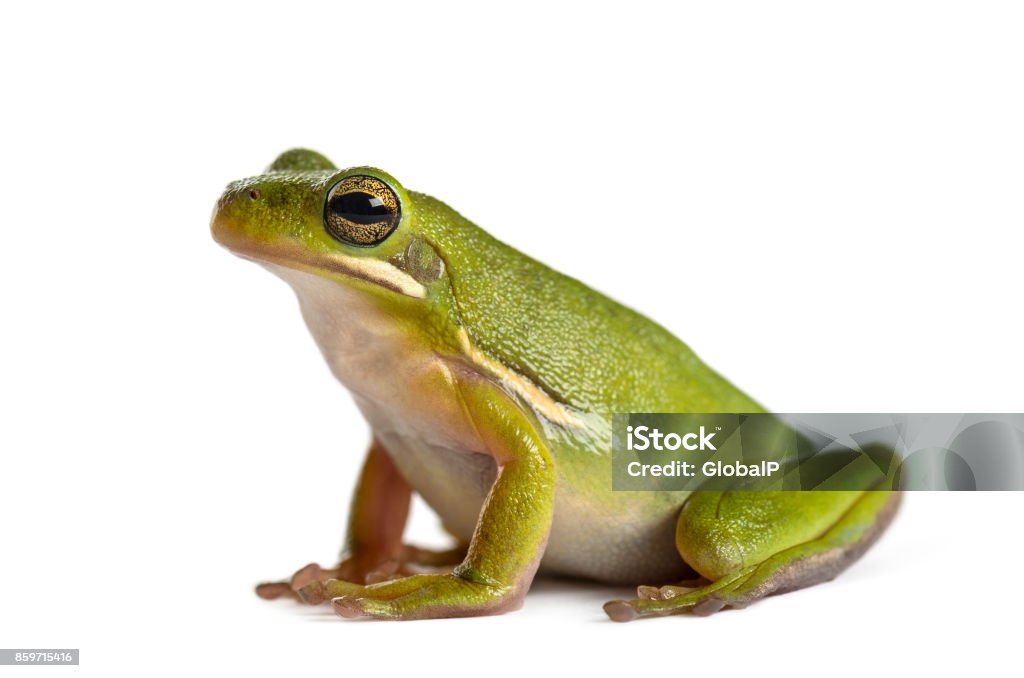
(582,348)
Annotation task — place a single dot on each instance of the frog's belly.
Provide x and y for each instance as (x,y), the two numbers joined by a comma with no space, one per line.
(590,538)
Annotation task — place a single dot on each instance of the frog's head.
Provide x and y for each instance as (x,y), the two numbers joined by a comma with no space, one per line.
(356,227)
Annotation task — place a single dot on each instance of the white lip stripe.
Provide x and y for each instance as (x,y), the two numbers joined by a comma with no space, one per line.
(382,273)
(371,270)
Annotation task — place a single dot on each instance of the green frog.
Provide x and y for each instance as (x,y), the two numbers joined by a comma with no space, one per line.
(488,381)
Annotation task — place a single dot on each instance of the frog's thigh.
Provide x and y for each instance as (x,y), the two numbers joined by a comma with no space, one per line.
(755,544)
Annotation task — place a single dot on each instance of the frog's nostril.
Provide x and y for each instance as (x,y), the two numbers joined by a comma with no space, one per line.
(254,194)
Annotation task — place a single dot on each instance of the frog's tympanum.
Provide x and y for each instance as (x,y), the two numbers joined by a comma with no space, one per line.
(488,380)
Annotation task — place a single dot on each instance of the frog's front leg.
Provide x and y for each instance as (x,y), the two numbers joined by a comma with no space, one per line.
(373,546)
(508,541)
(750,545)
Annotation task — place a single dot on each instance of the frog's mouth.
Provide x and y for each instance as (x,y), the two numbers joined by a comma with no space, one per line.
(327,264)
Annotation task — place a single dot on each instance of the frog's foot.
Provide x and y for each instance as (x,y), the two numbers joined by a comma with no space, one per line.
(364,570)
(420,596)
(674,599)
(803,565)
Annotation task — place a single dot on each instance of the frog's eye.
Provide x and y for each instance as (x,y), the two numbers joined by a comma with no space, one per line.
(361,211)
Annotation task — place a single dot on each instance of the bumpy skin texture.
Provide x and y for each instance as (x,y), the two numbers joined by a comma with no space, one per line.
(488,380)
(578,345)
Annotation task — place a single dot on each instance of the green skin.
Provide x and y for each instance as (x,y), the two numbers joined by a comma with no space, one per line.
(488,380)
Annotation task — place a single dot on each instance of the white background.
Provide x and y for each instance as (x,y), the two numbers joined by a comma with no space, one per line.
(823,199)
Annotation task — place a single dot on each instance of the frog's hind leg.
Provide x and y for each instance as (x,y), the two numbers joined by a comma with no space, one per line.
(750,545)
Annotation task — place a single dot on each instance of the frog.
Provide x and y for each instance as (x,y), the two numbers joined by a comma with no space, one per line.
(488,381)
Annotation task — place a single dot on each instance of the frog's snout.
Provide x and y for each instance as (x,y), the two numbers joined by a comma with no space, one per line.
(220,220)
(237,216)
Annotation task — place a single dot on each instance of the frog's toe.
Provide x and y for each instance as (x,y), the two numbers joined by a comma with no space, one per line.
(275,589)
(355,606)
(347,608)
(644,593)
(622,610)
(311,573)
(312,593)
(317,592)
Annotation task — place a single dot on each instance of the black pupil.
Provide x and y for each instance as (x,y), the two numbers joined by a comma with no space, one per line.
(359,207)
